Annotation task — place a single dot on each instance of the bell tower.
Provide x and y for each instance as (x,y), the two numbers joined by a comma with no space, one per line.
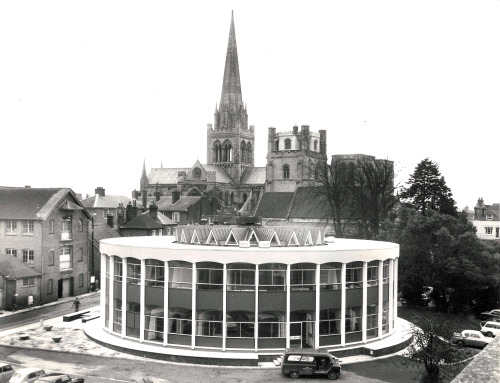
(230,142)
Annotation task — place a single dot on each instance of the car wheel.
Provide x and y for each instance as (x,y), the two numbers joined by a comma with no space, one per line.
(490,334)
(333,375)
(294,374)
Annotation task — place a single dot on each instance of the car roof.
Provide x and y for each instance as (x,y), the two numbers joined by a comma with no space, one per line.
(50,377)
(29,369)
(308,351)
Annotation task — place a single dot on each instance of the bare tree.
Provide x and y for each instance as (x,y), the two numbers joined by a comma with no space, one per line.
(358,194)
(431,348)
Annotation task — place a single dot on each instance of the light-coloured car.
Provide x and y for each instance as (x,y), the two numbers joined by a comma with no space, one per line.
(490,328)
(59,378)
(27,375)
(6,371)
(490,315)
(471,338)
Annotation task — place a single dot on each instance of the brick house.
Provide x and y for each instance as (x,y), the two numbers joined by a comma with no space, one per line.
(17,280)
(47,230)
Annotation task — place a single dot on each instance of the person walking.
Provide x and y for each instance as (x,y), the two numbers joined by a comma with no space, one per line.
(76,303)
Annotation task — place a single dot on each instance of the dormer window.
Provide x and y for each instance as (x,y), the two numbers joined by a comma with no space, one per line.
(489,217)
(288,144)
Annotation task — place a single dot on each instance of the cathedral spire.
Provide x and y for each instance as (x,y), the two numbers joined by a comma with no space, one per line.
(231,98)
(144,177)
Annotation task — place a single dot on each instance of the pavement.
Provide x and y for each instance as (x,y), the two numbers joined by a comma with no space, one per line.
(74,339)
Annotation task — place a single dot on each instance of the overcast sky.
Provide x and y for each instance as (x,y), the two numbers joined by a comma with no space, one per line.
(91,89)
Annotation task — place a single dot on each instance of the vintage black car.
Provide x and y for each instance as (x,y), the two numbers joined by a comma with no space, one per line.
(297,362)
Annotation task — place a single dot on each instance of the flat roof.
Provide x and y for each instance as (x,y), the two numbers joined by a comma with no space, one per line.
(166,248)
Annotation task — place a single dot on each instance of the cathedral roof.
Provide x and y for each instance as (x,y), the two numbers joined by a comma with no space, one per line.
(165,175)
(254,176)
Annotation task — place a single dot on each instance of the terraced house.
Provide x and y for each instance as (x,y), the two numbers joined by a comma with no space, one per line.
(45,230)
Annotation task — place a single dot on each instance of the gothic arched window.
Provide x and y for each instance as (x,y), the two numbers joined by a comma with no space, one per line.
(249,152)
(217,149)
(286,171)
(227,152)
(243,152)
(288,143)
(315,145)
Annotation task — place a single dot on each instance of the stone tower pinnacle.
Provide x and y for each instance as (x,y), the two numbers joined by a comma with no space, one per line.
(231,113)
(230,142)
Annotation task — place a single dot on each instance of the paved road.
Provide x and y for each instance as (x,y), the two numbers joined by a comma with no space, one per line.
(104,370)
(44,312)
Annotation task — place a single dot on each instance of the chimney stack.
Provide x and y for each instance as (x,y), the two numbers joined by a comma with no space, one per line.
(100,191)
(176,195)
(153,211)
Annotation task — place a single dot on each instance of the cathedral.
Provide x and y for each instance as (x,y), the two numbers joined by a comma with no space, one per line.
(229,171)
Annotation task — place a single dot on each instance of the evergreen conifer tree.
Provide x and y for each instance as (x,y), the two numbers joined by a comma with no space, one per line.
(428,190)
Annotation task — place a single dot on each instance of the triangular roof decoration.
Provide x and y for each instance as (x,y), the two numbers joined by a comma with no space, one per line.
(319,241)
(308,241)
(275,241)
(68,205)
(253,239)
(231,240)
(211,240)
(293,240)
(183,237)
(194,238)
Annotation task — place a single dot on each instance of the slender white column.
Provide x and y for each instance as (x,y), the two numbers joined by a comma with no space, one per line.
(365,302)
(224,308)
(391,294)
(395,273)
(256,325)
(287,306)
(316,323)
(380,305)
(102,285)
(166,323)
(193,307)
(343,305)
(142,299)
(124,296)
(111,291)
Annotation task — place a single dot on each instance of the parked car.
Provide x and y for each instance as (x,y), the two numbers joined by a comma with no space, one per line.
(27,375)
(59,378)
(490,328)
(490,315)
(299,361)
(6,371)
(471,338)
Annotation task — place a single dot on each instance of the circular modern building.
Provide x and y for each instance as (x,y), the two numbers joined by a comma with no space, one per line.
(248,288)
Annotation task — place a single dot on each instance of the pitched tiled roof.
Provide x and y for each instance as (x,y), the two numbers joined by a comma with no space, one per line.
(275,205)
(13,268)
(164,220)
(31,203)
(143,221)
(165,203)
(107,202)
(104,231)
(221,175)
(309,204)
(254,176)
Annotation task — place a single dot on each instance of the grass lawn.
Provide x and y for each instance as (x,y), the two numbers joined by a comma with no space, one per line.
(458,322)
